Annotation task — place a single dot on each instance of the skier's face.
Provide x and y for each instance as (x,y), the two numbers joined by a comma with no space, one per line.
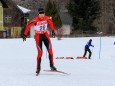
(41,15)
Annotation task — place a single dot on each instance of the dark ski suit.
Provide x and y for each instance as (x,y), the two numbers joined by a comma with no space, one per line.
(88,49)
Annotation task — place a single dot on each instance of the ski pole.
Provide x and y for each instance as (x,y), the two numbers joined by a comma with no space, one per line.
(100,45)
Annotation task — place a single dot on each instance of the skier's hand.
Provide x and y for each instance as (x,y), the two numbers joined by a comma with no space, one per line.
(24,37)
(53,34)
(92,45)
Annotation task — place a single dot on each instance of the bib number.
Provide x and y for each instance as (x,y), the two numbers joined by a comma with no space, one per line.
(42,28)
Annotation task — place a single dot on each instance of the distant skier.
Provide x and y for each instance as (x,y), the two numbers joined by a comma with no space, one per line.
(88,49)
(40,24)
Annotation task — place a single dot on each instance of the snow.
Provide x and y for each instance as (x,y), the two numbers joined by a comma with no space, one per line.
(24,10)
(18,63)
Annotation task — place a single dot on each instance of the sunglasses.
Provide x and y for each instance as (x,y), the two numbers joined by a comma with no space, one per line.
(41,12)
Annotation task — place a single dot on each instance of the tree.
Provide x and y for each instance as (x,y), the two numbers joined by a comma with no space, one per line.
(114,15)
(83,13)
(51,10)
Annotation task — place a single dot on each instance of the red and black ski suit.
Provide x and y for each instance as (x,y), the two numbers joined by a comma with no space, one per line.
(41,35)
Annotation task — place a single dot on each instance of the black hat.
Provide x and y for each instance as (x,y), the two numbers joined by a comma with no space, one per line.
(90,40)
(41,11)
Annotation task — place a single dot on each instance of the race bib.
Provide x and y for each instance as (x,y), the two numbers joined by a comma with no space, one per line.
(40,27)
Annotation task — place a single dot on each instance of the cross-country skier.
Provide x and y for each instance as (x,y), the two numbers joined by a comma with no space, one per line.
(88,49)
(40,24)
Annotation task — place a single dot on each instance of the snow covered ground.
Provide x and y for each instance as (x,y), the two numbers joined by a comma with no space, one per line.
(18,63)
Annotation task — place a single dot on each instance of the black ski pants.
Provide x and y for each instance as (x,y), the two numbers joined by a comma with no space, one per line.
(87,50)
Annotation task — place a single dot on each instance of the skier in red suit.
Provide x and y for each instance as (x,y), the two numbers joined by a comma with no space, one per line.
(40,24)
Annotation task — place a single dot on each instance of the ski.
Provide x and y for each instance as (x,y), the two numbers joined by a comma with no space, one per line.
(57,71)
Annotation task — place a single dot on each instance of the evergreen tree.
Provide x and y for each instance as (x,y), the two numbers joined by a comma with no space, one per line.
(51,10)
(114,16)
(83,12)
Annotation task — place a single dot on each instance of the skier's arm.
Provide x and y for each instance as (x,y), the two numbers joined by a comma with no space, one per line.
(31,23)
(92,45)
(89,44)
(51,25)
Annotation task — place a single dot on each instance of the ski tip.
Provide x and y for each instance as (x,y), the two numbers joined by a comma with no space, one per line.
(57,71)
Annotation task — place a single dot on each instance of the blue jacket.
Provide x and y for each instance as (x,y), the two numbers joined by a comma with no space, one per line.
(88,45)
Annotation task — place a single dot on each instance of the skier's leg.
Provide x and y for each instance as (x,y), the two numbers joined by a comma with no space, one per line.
(89,53)
(39,59)
(48,45)
(39,48)
(85,52)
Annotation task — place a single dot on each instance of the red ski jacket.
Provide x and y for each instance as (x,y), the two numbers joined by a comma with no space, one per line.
(40,25)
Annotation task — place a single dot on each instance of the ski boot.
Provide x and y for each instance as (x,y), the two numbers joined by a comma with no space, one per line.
(53,68)
(37,71)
